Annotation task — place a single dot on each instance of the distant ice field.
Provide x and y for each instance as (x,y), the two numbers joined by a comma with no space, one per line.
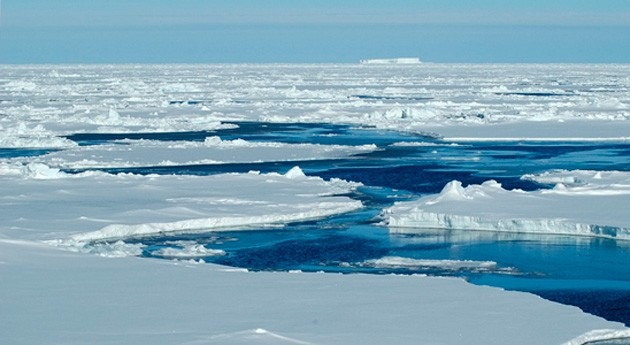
(40,103)
(513,176)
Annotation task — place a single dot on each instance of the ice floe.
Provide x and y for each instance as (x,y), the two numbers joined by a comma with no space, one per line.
(420,265)
(187,252)
(78,298)
(600,197)
(150,153)
(40,202)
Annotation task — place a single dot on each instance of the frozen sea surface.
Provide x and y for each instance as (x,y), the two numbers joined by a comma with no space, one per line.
(197,164)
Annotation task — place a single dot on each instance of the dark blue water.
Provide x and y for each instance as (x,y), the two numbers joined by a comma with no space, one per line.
(536,94)
(590,273)
(316,133)
(21,152)
(392,98)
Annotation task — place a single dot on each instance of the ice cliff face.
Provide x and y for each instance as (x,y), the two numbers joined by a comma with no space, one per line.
(421,219)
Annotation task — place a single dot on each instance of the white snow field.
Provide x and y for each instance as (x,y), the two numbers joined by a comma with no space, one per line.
(53,289)
(589,203)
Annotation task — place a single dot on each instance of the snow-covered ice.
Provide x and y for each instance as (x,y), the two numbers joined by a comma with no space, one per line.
(45,203)
(53,296)
(214,150)
(588,203)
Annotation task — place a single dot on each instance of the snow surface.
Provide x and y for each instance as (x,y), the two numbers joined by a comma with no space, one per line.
(601,199)
(58,297)
(43,203)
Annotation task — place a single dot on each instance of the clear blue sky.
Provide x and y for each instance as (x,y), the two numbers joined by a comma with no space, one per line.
(95,31)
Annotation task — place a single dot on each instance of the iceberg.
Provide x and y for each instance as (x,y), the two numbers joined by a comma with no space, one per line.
(604,337)
(392,61)
(600,196)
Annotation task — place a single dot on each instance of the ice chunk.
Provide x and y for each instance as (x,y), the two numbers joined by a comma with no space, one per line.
(424,265)
(401,262)
(42,171)
(605,336)
(295,173)
(116,249)
(187,252)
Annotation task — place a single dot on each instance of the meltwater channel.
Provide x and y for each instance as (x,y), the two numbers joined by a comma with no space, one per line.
(591,273)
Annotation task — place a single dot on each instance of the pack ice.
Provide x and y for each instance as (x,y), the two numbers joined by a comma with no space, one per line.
(50,295)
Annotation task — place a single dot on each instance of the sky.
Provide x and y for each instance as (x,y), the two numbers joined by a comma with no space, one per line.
(305,31)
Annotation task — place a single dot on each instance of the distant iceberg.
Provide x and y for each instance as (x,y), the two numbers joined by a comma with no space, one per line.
(394,61)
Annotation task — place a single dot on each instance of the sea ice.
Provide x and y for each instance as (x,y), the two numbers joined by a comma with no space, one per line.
(43,203)
(396,262)
(493,101)
(52,296)
(149,153)
(600,197)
